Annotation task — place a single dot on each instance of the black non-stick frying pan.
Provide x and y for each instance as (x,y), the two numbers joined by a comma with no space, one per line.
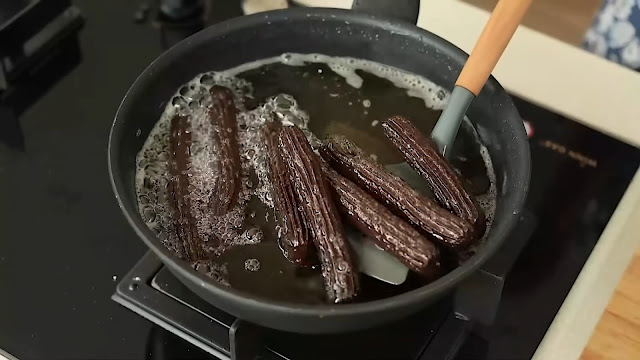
(391,41)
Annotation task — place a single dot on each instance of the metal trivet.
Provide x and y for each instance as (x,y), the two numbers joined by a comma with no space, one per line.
(437,332)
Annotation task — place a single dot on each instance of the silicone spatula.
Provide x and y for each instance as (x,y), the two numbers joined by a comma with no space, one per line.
(497,33)
(489,47)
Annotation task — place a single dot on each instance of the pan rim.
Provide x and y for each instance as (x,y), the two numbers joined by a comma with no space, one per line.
(438,287)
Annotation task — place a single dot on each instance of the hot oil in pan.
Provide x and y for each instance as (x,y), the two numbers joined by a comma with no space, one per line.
(330,98)
(337,107)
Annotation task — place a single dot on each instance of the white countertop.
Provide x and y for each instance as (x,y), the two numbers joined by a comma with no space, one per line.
(583,87)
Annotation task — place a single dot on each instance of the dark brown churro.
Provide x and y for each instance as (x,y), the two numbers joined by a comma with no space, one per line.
(423,155)
(321,215)
(427,216)
(389,232)
(190,244)
(293,233)
(222,113)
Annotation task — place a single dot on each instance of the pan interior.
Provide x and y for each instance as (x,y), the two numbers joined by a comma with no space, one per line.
(328,96)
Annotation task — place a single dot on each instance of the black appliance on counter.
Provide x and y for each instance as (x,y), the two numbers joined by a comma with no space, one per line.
(60,273)
(30,30)
(38,46)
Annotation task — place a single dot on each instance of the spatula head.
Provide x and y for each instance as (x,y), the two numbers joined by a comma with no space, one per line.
(372,260)
(375,262)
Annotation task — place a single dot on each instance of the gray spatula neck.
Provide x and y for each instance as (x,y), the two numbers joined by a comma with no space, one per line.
(446,129)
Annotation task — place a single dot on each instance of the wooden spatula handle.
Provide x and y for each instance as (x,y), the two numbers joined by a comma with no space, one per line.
(503,22)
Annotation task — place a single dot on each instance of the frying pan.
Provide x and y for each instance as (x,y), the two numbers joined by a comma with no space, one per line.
(359,34)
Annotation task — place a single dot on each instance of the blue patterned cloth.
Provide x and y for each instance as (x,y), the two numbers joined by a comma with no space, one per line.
(615,33)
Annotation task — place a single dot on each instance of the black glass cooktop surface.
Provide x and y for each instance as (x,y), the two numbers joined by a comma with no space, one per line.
(65,245)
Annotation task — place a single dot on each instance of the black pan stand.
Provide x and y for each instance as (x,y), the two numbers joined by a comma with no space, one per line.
(151,291)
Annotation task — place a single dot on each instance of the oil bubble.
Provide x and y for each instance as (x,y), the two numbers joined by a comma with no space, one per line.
(252,265)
